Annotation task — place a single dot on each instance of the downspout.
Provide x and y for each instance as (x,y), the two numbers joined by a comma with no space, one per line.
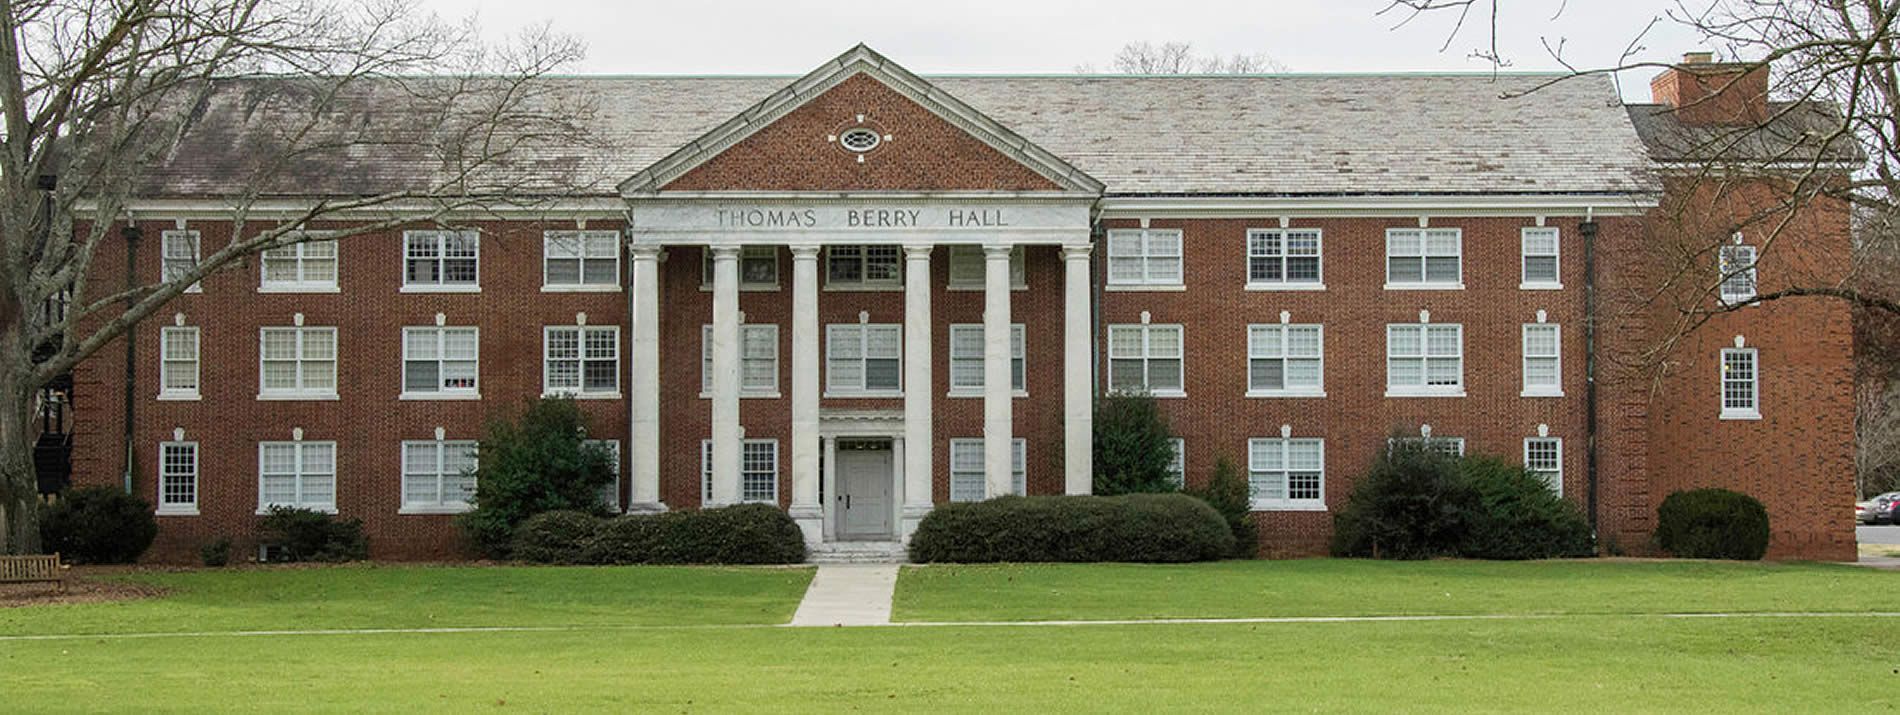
(1588,229)
(131,234)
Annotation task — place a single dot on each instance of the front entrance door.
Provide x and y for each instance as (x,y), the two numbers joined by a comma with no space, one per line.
(864,489)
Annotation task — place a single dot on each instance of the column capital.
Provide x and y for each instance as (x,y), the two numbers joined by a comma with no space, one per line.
(725,252)
(917,252)
(804,251)
(1077,253)
(995,251)
(645,252)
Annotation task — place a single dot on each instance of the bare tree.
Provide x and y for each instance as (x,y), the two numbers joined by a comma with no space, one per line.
(1180,58)
(96,96)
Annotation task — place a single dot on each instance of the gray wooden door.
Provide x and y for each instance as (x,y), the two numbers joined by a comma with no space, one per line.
(864,494)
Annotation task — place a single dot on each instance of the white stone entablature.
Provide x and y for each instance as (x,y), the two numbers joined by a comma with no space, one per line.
(1055,218)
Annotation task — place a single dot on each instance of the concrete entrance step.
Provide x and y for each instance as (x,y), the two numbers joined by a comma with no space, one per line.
(858,552)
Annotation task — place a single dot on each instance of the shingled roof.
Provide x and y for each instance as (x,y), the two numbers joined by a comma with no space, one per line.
(1263,135)
(1795,133)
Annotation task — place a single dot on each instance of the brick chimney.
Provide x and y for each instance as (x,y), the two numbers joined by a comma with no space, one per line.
(1705,92)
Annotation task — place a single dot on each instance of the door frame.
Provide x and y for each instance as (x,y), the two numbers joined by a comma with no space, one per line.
(834,425)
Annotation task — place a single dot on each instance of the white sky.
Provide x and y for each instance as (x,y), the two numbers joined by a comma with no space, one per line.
(1053,36)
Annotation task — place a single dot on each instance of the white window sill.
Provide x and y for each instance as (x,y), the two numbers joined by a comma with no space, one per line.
(443,396)
(1741,414)
(867,394)
(1273,394)
(440,289)
(1272,287)
(1416,392)
(1541,393)
(584,395)
(582,288)
(322,508)
(1168,394)
(421,509)
(965,288)
(176,511)
(289,396)
(744,288)
(1424,286)
(874,288)
(178,397)
(1737,299)
(746,395)
(1138,287)
(299,288)
(971,392)
(1540,286)
(1288,506)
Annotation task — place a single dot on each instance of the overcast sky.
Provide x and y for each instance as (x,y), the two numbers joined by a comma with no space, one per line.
(1045,36)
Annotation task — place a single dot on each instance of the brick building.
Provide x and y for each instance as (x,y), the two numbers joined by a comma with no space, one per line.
(860,293)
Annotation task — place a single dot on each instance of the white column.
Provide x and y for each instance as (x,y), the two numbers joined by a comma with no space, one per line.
(830,520)
(726,430)
(805,447)
(644,439)
(997,432)
(918,391)
(1078,391)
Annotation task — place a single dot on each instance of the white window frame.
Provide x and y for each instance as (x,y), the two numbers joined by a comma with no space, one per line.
(1538,234)
(1177,462)
(1729,272)
(1424,358)
(963,277)
(1435,443)
(1018,467)
(1019,364)
(1258,471)
(746,447)
(1556,358)
(298,475)
(166,359)
(745,391)
(747,254)
(588,254)
(864,260)
(1553,476)
(441,360)
(441,258)
(1257,252)
(168,475)
(444,502)
(1317,389)
(610,492)
(1424,254)
(299,257)
(832,386)
(301,361)
(1753,410)
(1148,277)
(174,263)
(1147,357)
(581,359)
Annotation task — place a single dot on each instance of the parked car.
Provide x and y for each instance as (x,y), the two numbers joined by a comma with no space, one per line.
(1883,509)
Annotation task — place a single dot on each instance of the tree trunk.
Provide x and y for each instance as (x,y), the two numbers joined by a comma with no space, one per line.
(19,484)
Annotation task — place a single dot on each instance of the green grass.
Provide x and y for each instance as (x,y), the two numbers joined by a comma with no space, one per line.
(423,597)
(1325,587)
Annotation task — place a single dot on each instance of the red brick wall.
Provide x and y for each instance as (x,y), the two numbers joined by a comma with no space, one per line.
(1721,93)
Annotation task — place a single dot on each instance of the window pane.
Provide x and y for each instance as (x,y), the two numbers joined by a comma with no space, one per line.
(881,374)
(421,376)
(1540,269)
(1405,270)
(1164,375)
(1266,375)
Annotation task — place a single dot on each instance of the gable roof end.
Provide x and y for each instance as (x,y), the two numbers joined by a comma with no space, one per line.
(859,60)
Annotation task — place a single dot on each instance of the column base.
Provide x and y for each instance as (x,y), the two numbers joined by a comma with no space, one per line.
(912,516)
(650,507)
(811,520)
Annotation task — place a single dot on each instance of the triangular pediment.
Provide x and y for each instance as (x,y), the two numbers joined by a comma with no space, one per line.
(809,136)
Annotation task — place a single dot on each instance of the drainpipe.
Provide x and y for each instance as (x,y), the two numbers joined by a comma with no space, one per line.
(131,235)
(1588,229)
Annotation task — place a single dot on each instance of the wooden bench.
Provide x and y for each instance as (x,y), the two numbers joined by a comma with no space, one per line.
(33,569)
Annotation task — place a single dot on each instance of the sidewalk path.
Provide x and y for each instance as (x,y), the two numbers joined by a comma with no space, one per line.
(848,595)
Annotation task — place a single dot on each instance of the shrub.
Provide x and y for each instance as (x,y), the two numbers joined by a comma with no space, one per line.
(1712,524)
(555,537)
(216,553)
(1133,527)
(1519,517)
(98,525)
(742,534)
(1133,446)
(1228,493)
(310,535)
(541,463)
(1411,505)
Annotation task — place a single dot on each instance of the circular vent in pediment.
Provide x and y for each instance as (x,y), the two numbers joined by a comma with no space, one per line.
(860,139)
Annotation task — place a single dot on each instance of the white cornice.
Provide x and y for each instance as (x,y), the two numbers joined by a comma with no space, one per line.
(606,207)
(1131,207)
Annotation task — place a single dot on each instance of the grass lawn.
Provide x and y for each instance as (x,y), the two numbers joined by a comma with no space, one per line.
(1346,587)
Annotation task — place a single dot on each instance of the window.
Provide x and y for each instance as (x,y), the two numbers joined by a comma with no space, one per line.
(864,358)
(1287,474)
(581,361)
(758,360)
(967,270)
(1738,273)
(178,358)
(758,471)
(1424,359)
(297,363)
(1283,258)
(1284,360)
(1145,358)
(967,482)
(440,362)
(758,268)
(1144,257)
(308,267)
(1539,247)
(296,474)
(863,266)
(859,139)
(966,359)
(1177,464)
(1449,446)
(610,492)
(1543,360)
(580,260)
(178,478)
(1740,384)
(1544,456)
(441,260)
(437,476)
(1424,258)
(181,255)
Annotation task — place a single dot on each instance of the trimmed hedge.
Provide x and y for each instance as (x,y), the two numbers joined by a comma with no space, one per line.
(1419,503)
(742,534)
(1163,528)
(1519,517)
(1712,524)
(310,535)
(98,525)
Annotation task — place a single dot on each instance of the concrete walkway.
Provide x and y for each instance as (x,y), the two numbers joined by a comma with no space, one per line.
(848,595)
